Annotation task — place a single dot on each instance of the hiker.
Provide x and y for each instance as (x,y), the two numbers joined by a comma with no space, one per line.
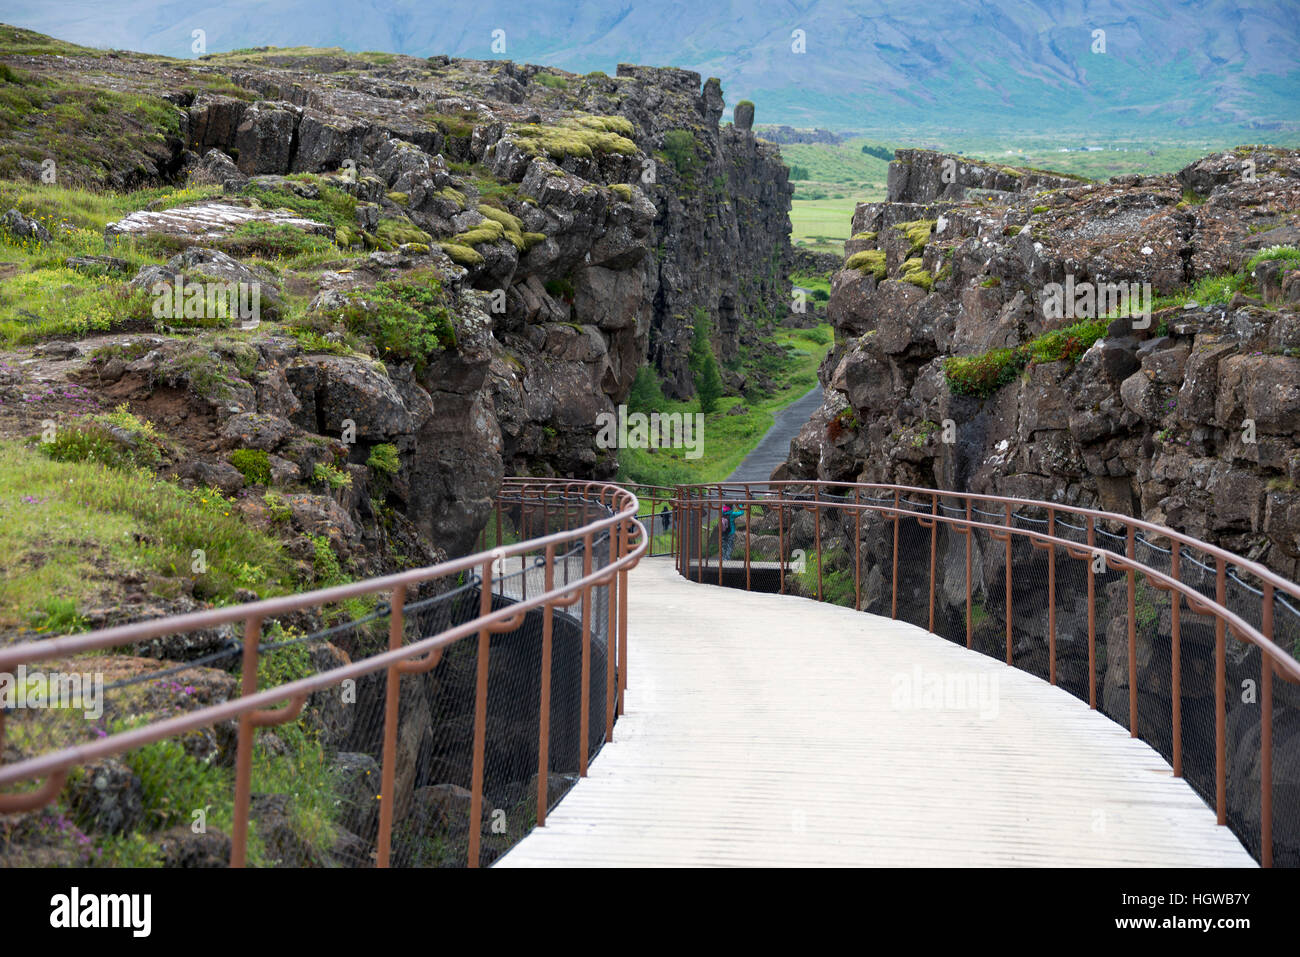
(666,517)
(729,516)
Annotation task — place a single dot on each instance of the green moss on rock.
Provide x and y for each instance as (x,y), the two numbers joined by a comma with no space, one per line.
(868,261)
(462,255)
(915,273)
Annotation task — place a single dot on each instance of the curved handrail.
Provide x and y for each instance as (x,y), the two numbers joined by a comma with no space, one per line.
(628,543)
(697,503)
(1128,521)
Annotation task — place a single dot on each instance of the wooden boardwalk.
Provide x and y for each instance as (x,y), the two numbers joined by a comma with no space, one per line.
(771,730)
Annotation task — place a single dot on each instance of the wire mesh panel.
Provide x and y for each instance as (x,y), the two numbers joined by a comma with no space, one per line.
(440,757)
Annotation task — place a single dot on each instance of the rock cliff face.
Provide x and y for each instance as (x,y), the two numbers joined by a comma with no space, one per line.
(575,227)
(943,313)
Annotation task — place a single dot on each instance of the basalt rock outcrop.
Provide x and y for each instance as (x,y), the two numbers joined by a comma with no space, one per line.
(1189,418)
(578,227)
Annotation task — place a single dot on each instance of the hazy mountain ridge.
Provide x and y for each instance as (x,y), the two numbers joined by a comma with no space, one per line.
(1167,64)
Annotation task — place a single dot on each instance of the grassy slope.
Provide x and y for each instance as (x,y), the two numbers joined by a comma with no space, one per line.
(70,532)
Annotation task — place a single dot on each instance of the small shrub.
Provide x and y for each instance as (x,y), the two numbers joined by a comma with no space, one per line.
(329,475)
(552,81)
(117,440)
(681,149)
(385,459)
(646,394)
(1287,254)
(982,375)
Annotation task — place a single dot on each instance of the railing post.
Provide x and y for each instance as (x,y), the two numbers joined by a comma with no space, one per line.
(1220,698)
(392,703)
(244,753)
(622,624)
(857,548)
(1010,609)
(934,553)
(970,533)
(1130,551)
(480,720)
(780,536)
(584,718)
(611,629)
(1051,597)
(1176,659)
(544,708)
(699,540)
(748,516)
(1092,615)
(1266,732)
(654,520)
(893,602)
(817,532)
(722,507)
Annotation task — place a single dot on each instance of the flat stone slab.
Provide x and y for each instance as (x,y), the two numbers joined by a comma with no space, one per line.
(210,220)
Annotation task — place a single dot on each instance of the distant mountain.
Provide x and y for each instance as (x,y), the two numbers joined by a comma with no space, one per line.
(987,65)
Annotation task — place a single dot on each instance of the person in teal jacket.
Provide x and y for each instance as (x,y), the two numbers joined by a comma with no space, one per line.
(729,516)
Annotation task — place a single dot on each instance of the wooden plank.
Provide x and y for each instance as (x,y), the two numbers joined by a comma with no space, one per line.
(771,730)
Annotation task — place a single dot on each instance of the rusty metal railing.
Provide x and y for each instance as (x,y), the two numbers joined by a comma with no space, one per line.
(831,541)
(580,538)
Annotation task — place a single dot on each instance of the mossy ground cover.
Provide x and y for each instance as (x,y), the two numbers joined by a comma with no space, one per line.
(729,438)
(85,129)
(404,319)
(582,136)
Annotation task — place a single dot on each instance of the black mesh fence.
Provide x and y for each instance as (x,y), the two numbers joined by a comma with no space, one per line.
(317,793)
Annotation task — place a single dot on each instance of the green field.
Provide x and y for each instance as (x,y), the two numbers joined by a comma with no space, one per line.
(836,171)
(821,224)
(833,179)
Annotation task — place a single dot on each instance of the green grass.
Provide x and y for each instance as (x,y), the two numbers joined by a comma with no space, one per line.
(729,438)
(982,375)
(1210,290)
(45,298)
(76,529)
(1286,254)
